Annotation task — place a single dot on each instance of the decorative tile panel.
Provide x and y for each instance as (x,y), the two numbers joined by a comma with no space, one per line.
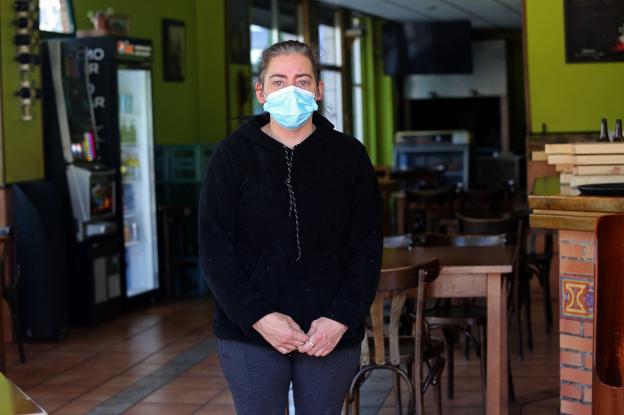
(577,297)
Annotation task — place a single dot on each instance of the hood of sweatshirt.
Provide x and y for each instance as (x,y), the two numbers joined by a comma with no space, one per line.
(251,130)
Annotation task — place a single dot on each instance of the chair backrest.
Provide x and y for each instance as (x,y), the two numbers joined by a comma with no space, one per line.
(417,177)
(382,171)
(398,241)
(430,196)
(487,226)
(437,239)
(481,199)
(394,285)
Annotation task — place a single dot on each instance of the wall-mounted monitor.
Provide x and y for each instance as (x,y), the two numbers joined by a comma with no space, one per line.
(441,47)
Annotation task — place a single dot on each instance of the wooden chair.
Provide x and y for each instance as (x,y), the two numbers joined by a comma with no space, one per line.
(513,227)
(384,348)
(417,177)
(387,187)
(481,200)
(425,208)
(538,264)
(382,171)
(461,318)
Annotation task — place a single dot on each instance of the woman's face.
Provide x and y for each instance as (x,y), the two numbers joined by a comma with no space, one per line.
(289,69)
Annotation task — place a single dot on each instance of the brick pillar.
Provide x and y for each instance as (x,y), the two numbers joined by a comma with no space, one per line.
(577,256)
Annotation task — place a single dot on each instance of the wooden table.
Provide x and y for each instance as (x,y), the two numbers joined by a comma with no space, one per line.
(15,402)
(472,272)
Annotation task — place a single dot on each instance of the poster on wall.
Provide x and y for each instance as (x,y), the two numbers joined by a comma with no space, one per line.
(594,30)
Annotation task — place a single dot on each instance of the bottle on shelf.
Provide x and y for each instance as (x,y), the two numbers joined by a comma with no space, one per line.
(618,131)
(604,132)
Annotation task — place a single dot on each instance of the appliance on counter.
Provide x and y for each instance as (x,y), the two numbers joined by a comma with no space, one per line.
(86,185)
(445,151)
(121,90)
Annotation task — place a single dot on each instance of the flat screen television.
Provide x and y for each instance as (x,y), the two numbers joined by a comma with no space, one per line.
(443,47)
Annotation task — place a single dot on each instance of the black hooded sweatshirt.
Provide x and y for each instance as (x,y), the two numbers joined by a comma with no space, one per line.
(294,231)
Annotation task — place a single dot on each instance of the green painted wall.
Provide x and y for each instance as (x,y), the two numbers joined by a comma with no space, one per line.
(212,89)
(566,97)
(378,96)
(192,111)
(22,141)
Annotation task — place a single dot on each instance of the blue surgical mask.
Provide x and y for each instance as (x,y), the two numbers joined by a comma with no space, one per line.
(290,106)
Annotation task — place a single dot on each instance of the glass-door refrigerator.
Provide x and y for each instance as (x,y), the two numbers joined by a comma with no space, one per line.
(121,87)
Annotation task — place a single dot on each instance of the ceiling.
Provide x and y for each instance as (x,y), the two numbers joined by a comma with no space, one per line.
(482,13)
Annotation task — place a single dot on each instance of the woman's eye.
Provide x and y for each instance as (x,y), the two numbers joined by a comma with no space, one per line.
(304,83)
(277,82)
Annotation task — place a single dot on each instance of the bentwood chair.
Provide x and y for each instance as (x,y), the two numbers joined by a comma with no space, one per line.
(384,348)
(465,318)
(426,208)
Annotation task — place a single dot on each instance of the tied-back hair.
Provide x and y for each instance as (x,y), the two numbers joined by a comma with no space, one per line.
(285,48)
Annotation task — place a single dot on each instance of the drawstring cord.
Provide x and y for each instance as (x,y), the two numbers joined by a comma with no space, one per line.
(292,208)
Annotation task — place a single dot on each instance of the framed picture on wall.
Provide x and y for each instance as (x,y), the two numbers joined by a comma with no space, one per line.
(174,50)
(594,31)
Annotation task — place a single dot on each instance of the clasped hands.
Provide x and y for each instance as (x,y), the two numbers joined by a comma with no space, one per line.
(285,335)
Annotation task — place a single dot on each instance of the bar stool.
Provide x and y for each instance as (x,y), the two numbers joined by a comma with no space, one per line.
(384,348)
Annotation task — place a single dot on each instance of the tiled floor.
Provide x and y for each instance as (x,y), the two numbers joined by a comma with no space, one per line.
(162,360)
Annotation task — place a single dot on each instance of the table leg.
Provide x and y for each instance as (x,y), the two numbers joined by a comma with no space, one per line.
(400,214)
(497,346)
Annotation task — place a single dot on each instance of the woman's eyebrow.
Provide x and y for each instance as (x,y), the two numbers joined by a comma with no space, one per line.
(299,75)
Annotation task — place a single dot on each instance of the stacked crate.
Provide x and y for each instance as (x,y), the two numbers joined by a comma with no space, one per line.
(179,173)
(586,163)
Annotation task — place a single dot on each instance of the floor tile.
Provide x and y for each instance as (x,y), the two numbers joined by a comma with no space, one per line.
(145,408)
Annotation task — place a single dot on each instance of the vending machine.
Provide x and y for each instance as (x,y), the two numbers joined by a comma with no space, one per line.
(87,185)
(120,80)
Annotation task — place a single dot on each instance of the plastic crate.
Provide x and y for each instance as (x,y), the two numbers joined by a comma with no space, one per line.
(182,163)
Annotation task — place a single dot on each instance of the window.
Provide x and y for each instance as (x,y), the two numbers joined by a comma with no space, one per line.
(272,21)
(55,16)
(330,45)
(356,85)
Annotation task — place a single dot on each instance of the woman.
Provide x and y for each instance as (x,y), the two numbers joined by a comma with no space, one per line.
(290,243)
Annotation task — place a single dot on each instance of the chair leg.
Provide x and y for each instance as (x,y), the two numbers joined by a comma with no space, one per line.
(397,394)
(547,303)
(467,344)
(19,339)
(356,401)
(450,342)
(437,390)
(482,362)
(518,316)
(512,392)
(527,310)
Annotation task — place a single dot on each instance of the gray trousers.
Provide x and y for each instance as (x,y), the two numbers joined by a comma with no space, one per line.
(260,377)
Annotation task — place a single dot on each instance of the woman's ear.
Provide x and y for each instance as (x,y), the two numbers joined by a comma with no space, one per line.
(260,93)
(319,92)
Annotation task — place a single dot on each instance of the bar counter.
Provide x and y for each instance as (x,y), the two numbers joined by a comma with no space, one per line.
(576,213)
(575,218)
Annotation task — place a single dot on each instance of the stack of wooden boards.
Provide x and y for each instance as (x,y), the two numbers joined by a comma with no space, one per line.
(586,163)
